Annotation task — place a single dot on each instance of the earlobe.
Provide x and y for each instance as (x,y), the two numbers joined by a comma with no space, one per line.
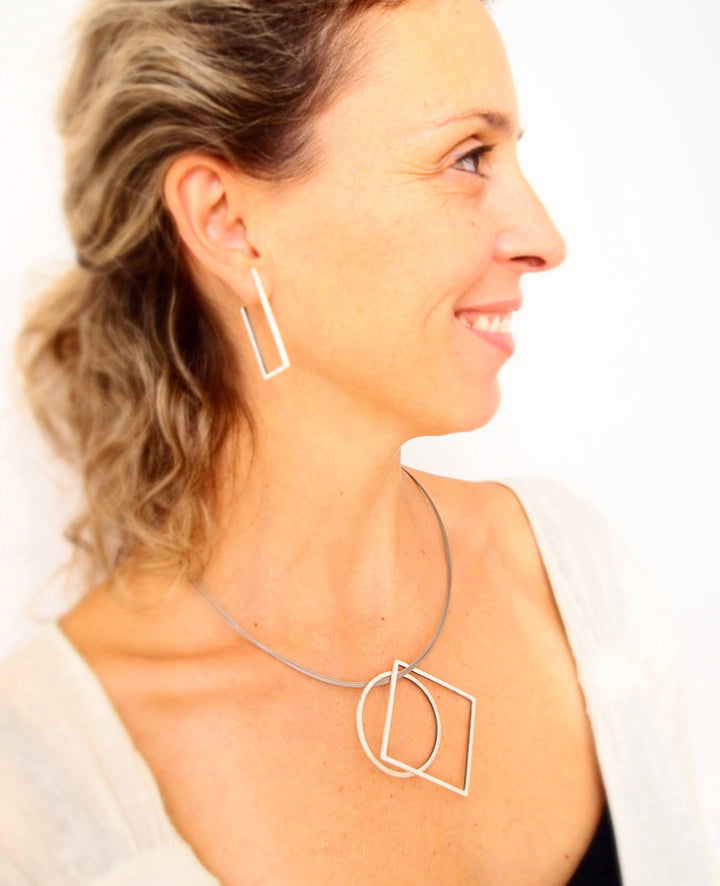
(203,195)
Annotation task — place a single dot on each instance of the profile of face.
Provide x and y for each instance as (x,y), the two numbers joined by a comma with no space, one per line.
(395,266)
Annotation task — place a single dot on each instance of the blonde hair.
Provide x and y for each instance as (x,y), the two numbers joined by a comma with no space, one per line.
(126,366)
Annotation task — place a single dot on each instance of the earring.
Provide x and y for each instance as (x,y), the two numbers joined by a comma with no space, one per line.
(277,338)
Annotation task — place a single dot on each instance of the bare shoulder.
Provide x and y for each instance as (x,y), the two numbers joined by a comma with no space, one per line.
(135,618)
(481,510)
(488,524)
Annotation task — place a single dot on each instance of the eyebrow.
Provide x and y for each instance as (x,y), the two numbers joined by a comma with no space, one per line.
(495,119)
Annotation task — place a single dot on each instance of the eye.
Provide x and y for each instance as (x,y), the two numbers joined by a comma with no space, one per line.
(472,161)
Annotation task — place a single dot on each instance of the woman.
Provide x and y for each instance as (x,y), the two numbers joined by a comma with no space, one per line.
(300,231)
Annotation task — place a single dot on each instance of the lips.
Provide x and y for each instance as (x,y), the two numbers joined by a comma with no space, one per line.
(491,322)
(500,306)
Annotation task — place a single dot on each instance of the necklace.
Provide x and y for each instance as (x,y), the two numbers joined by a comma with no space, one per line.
(399,671)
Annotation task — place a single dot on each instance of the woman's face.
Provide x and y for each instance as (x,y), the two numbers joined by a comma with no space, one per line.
(415,227)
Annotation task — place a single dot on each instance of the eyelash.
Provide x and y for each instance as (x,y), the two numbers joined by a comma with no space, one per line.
(476,157)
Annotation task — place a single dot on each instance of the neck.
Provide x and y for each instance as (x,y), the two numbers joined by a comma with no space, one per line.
(324,537)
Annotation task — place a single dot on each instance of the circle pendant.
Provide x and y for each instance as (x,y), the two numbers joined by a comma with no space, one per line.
(361,729)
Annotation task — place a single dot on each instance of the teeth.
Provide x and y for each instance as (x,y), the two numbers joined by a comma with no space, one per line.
(497,323)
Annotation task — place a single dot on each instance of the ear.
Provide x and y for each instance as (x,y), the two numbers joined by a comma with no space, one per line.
(210,202)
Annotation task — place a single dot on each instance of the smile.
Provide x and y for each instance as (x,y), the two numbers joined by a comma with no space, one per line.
(491,323)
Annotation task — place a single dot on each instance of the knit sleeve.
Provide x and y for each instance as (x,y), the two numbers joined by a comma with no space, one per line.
(79,806)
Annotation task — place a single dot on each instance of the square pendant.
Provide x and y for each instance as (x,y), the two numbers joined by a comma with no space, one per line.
(397,666)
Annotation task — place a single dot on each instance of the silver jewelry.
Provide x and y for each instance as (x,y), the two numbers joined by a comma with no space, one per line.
(272,323)
(400,670)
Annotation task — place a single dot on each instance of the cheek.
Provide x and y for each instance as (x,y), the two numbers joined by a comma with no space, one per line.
(376,260)
(404,253)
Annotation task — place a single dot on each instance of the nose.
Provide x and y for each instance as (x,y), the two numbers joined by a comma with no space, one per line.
(528,239)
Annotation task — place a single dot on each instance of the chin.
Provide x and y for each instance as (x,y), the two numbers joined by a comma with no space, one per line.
(468,413)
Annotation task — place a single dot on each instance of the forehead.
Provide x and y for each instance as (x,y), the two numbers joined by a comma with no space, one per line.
(424,62)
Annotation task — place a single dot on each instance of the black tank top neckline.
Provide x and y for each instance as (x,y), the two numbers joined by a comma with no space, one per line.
(599,865)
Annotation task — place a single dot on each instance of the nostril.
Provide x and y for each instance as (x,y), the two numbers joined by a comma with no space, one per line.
(533,261)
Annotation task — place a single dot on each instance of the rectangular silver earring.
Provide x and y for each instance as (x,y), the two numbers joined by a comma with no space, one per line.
(277,338)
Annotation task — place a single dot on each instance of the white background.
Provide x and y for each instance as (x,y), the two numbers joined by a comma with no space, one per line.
(614,389)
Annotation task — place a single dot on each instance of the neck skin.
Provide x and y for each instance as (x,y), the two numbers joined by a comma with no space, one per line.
(324,547)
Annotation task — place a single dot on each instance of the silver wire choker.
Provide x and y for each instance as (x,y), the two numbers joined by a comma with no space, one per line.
(400,671)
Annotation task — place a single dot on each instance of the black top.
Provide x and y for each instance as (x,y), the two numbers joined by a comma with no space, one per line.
(599,866)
